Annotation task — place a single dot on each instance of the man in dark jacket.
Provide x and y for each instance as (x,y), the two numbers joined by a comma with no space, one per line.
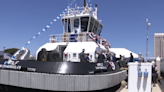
(82,56)
(131,57)
(39,55)
(114,58)
(101,58)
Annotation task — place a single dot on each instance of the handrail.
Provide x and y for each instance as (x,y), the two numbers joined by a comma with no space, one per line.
(71,37)
(77,11)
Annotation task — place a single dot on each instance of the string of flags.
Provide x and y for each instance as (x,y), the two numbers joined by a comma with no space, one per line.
(48,26)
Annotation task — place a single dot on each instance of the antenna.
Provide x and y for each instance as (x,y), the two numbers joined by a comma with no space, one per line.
(84,3)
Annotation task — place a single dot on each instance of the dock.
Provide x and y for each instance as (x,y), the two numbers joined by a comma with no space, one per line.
(157,88)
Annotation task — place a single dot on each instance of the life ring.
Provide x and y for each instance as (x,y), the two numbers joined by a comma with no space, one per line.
(112,65)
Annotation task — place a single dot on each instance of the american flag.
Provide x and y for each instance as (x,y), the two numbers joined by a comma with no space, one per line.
(94,36)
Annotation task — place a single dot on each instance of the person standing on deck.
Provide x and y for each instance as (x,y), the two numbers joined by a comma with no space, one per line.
(131,57)
(91,58)
(87,58)
(82,56)
(120,58)
(101,58)
(114,58)
(44,55)
(105,55)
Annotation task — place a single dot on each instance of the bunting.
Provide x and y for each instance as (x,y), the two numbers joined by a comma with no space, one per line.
(48,26)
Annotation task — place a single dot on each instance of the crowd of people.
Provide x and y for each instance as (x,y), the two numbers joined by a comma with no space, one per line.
(102,57)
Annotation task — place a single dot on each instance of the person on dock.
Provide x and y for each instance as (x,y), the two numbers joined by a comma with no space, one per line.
(154,74)
(82,56)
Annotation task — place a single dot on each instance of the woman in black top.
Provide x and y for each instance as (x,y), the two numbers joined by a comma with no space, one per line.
(154,74)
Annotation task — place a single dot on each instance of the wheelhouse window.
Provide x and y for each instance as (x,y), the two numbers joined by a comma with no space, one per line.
(84,24)
(66,24)
(91,24)
(76,23)
(95,27)
(99,30)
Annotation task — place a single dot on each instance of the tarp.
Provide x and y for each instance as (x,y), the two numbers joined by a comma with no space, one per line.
(123,51)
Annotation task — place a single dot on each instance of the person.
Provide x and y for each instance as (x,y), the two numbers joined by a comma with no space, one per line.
(131,57)
(120,58)
(123,57)
(105,55)
(101,58)
(96,40)
(114,58)
(82,56)
(87,58)
(90,57)
(40,54)
(96,56)
(44,55)
(154,74)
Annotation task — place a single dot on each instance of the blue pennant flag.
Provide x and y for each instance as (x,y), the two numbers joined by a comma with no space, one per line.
(49,24)
(41,31)
(26,44)
(31,39)
(36,35)
(45,28)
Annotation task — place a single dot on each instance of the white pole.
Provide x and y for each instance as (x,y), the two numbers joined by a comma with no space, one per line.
(148,24)
(158,61)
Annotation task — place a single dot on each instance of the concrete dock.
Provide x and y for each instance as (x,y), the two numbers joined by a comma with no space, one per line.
(154,89)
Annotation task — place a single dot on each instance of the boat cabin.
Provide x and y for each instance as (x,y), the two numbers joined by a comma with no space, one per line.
(81,28)
(80,21)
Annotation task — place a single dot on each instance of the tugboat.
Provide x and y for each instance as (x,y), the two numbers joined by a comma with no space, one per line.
(62,70)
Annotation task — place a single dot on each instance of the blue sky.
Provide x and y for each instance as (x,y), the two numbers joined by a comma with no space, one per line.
(124,22)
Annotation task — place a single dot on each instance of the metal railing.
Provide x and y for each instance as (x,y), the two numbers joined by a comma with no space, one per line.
(66,37)
(152,58)
(77,11)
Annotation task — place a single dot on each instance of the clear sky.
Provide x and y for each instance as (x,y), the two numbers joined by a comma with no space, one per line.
(124,22)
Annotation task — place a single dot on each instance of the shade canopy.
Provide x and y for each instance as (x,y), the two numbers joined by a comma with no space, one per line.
(123,51)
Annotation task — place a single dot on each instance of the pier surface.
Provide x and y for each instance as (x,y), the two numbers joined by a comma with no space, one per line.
(154,89)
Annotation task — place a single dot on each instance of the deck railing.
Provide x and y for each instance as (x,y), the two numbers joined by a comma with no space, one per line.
(66,37)
(77,11)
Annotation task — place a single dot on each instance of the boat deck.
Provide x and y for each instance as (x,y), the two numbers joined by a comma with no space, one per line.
(154,89)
